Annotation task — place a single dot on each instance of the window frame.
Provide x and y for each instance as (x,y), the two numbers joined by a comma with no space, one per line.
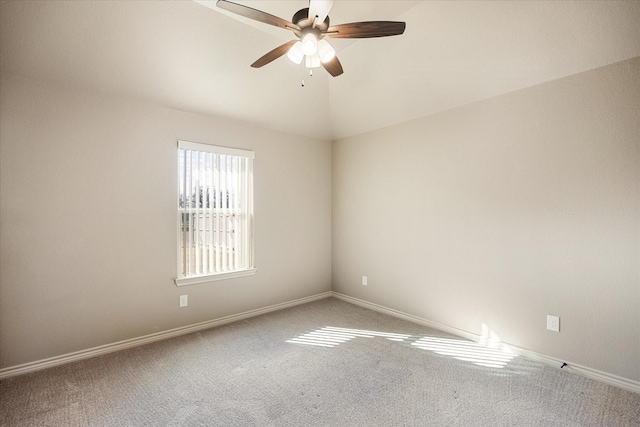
(249,270)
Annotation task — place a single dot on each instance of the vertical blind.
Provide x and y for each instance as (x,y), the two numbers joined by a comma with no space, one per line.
(215,209)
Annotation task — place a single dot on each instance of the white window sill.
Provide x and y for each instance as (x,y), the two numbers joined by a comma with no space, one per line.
(185,281)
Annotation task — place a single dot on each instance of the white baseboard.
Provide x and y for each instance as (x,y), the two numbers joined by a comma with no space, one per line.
(146,339)
(585,371)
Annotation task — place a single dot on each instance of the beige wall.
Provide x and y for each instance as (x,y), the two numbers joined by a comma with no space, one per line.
(502,212)
(498,212)
(87,208)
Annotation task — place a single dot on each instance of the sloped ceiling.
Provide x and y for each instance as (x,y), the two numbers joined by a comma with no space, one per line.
(192,56)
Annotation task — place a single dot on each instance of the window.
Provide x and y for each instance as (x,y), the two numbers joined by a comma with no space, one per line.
(215,213)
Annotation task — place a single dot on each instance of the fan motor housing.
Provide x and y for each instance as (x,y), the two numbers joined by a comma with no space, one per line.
(301,19)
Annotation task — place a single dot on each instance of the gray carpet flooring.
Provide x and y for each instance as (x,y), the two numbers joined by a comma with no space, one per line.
(326,363)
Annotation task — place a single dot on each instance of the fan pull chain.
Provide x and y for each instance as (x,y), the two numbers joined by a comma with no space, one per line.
(310,75)
(304,68)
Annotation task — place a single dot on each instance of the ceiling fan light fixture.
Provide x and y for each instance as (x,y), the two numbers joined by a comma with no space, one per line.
(312,61)
(325,51)
(309,44)
(295,54)
(311,25)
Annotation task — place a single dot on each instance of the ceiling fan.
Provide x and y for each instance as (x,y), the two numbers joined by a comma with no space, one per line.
(311,26)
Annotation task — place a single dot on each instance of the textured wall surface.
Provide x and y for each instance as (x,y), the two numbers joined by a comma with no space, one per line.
(502,212)
(88,209)
(495,213)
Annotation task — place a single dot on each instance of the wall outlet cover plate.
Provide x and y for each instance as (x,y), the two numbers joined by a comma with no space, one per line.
(553,323)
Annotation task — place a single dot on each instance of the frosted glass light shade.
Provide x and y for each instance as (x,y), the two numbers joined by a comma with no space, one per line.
(312,61)
(326,51)
(295,54)
(309,44)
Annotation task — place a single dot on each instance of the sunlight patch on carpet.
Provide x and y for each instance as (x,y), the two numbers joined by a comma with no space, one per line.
(468,351)
(331,336)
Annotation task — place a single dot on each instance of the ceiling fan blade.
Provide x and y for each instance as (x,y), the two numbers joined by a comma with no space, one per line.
(333,67)
(256,15)
(363,30)
(319,8)
(274,54)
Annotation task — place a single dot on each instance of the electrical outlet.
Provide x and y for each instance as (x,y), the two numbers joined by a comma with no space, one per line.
(184,301)
(553,323)
(364,280)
